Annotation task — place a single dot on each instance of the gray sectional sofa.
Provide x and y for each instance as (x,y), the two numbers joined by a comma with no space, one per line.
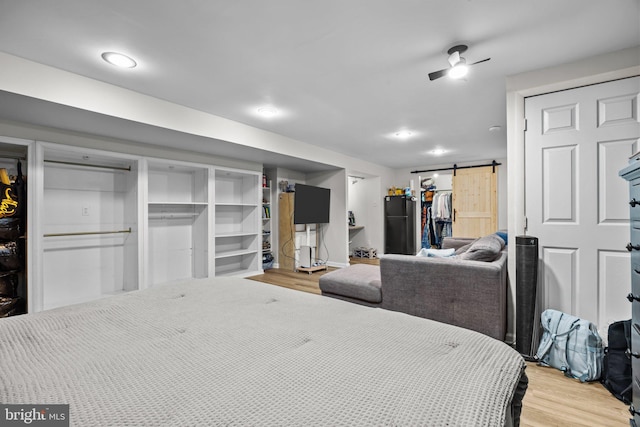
(467,290)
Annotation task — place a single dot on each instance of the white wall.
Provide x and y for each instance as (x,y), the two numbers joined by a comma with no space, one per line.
(364,200)
(37,133)
(334,236)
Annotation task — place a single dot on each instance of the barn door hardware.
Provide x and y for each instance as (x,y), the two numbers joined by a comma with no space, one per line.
(456,167)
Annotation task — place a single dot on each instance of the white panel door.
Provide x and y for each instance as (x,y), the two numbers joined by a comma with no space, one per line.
(576,204)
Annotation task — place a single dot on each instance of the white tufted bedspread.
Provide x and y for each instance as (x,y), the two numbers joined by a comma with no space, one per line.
(233,352)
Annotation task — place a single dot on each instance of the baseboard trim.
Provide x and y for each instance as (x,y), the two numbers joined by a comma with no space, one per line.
(337,264)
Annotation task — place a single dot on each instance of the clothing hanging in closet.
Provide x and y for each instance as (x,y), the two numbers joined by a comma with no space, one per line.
(442,206)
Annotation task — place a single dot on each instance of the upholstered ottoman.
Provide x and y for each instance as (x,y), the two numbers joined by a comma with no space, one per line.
(357,283)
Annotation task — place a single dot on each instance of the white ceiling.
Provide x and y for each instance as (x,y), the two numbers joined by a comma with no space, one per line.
(346,74)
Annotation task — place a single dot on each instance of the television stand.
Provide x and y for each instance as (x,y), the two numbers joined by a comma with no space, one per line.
(307,258)
(312,268)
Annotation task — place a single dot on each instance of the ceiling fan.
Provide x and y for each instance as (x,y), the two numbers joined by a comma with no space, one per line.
(459,66)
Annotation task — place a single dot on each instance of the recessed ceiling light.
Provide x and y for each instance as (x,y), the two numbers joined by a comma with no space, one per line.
(403,134)
(119,60)
(495,128)
(438,152)
(268,111)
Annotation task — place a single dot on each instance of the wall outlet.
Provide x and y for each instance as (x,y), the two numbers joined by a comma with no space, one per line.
(85,211)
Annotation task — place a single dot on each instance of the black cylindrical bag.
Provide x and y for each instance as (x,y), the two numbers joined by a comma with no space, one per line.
(10,228)
(8,284)
(11,306)
(10,256)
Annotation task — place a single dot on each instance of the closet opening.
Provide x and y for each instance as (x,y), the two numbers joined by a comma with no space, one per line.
(436,213)
(13,235)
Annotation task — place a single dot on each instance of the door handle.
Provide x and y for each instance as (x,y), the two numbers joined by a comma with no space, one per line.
(454,215)
(632,297)
(631,247)
(634,202)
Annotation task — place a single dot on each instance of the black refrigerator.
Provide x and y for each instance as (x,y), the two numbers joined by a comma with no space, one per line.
(400,225)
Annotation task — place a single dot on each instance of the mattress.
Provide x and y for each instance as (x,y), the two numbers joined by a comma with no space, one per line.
(235,352)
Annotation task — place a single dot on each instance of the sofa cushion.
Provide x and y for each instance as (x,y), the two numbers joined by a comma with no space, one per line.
(359,281)
(486,248)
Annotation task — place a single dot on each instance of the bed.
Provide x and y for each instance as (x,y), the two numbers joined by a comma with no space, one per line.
(235,352)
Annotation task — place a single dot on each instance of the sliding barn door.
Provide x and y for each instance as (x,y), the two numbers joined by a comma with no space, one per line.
(475,202)
(576,204)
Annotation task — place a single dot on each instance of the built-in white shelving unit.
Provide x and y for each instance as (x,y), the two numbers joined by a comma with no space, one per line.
(267,241)
(177,218)
(237,223)
(89,223)
(107,223)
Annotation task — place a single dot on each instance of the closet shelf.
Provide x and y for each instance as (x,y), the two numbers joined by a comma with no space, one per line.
(236,234)
(253,205)
(178,203)
(167,215)
(227,254)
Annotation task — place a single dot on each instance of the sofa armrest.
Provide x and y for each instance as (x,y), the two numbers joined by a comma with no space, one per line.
(466,293)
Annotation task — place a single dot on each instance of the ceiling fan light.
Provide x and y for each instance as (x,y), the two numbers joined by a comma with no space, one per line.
(454,58)
(459,71)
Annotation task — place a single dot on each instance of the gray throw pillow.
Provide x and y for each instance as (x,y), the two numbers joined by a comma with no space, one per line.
(463,249)
(486,248)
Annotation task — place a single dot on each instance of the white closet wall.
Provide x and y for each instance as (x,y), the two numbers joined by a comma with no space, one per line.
(89,221)
(177,221)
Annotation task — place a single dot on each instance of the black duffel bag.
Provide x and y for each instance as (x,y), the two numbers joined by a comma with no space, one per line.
(616,367)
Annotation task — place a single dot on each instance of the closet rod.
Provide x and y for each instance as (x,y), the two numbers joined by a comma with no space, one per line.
(456,167)
(86,233)
(128,168)
(12,157)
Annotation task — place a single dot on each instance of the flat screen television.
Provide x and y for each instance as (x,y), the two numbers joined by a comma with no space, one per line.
(311,204)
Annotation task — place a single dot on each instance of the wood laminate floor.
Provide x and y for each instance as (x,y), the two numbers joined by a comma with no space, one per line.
(551,399)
